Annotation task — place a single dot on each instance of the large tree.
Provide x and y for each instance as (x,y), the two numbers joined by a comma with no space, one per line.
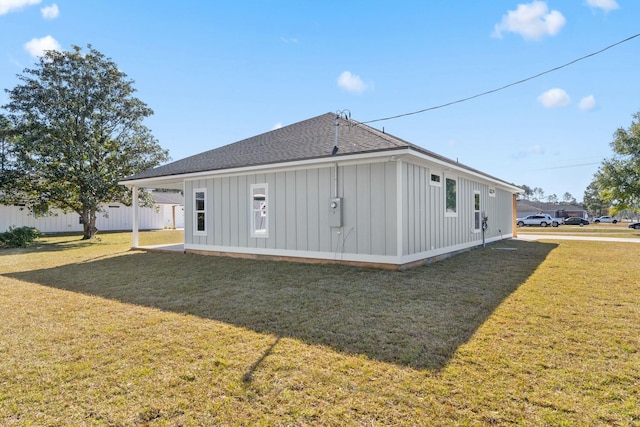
(619,177)
(78,129)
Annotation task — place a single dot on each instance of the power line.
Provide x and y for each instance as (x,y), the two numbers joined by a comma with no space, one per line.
(506,86)
(568,166)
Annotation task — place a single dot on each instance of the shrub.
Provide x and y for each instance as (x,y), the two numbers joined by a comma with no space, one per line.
(19,237)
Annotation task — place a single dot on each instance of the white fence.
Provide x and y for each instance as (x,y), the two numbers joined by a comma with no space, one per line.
(115,217)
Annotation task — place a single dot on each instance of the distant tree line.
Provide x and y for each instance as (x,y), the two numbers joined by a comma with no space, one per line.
(536,194)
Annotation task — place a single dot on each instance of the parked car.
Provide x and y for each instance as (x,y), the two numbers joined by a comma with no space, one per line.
(635,225)
(541,220)
(575,221)
(608,219)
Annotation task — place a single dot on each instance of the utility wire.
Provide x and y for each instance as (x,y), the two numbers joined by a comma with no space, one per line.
(506,86)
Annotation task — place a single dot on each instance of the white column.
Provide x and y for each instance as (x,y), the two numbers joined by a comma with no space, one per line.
(134,205)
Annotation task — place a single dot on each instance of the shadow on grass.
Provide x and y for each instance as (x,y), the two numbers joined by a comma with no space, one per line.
(416,318)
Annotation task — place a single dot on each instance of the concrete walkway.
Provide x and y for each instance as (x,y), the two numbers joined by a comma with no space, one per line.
(553,236)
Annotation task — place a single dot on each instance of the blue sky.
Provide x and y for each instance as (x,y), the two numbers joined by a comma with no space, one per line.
(217,72)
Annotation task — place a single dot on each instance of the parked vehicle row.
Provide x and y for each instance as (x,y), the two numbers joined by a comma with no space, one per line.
(544,220)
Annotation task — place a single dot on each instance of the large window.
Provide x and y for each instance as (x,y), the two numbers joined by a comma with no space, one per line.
(451,197)
(259,212)
(477,218)
(199,212)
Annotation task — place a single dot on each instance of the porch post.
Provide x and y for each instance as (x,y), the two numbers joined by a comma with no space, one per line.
(134,205)
(514,214)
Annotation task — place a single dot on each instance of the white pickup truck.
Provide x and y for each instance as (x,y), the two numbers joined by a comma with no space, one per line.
(541,220)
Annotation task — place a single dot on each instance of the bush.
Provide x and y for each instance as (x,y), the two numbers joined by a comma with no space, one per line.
(19,237)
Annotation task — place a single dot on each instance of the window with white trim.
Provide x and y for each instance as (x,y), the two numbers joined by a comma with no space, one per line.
(477,215)
(200,212)
(492,192)
(259,211)
(451,197)
(435,180)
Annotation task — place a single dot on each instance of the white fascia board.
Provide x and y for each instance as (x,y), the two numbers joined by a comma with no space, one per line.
(446,165)
(383,155)
(290,166)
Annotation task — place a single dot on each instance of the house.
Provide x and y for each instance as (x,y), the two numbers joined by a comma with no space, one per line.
(167,212)
(328,189)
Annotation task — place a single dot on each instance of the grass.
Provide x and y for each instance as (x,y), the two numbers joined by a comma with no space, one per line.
(542,334)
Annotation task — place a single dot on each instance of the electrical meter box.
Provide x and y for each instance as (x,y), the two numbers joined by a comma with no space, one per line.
(335,212)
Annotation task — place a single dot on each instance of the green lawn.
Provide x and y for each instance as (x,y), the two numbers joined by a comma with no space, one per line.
(534,333)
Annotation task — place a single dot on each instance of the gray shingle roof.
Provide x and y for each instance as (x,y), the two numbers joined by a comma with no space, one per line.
(309,139)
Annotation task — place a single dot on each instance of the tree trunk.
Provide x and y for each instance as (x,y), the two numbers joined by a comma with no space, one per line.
(89,224)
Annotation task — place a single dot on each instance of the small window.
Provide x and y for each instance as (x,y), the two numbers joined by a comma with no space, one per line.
(199,212)
(435,180)
(477,219)
(451,197)
(259,211)
(492,192)
(114,207)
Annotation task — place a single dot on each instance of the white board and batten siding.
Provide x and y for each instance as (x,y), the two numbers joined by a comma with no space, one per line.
(427,229)
(298,212)
(114,218)
(391,213)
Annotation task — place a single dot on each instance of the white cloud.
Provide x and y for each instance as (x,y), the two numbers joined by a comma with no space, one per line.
(277,126)
(587,103)
(528,151)
(50,12)
(606,5)
(37,47)
(554,98)
(532,21)
(7,6)
(289,40)
(351,82)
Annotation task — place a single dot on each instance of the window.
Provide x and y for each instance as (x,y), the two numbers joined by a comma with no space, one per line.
(199,212)
(435,180)
(451,197)
(259,212)
(492,192)
(477,218)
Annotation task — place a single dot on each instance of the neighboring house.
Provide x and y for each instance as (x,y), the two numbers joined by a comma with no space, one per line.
(167,212)
(372,198)
(529,207)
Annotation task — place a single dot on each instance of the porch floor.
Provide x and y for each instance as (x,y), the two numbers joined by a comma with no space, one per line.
(173,248)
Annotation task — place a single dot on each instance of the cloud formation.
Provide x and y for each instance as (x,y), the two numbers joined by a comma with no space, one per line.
(37,47)
(531,20)
(554,98)
(351,82)
(528,151)
(50,12)
(606,5)
(587,103)
(7,6)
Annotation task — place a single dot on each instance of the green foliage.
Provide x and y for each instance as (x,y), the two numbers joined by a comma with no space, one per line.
(77,130)
(593,201)
(618,179)
(19,237)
